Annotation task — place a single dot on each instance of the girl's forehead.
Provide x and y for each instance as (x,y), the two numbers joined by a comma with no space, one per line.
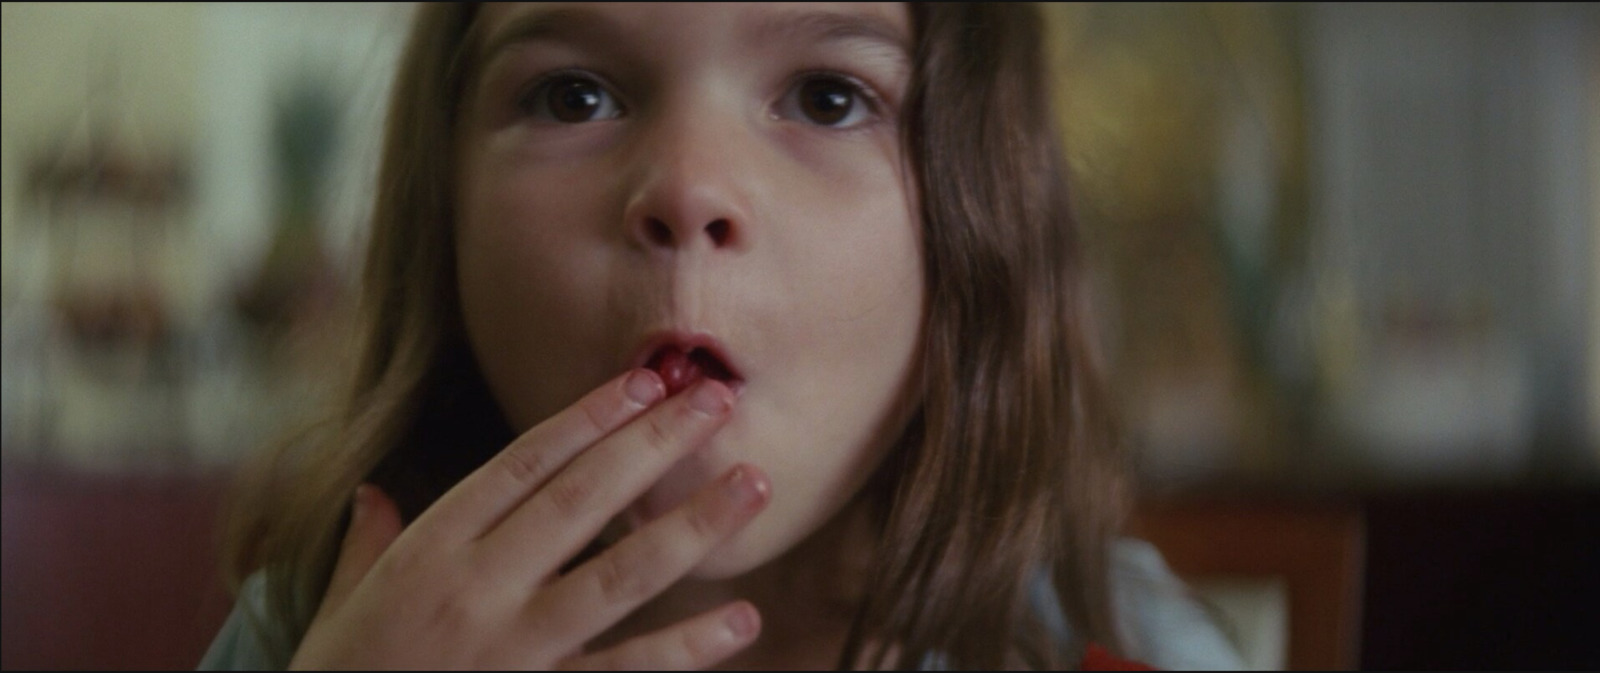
(641,24)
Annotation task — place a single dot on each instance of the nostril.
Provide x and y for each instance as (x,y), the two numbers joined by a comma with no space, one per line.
(718,231)
(658,231)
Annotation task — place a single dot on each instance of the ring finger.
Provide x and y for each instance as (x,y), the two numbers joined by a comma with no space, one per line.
(598,594)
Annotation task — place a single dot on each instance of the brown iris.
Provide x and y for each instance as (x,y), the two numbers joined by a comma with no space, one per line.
(573,100)
(826,101)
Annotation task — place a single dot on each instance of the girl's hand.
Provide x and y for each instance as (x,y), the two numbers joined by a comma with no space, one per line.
(474,583)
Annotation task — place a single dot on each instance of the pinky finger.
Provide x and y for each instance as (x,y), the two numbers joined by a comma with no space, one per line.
(698,643)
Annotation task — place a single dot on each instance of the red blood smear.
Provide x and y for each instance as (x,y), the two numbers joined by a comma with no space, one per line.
(677,369)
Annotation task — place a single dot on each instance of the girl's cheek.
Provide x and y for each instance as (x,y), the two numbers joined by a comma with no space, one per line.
(537,185)
(863,160)
(547,146)
(855,224)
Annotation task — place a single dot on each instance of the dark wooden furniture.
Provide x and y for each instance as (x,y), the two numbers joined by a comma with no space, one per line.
(120,571)
(1318,550)
(109,571)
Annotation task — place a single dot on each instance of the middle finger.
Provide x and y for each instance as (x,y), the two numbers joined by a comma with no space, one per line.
(601,592)
(569,511)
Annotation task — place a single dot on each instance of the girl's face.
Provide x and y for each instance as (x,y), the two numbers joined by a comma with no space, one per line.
(718,176)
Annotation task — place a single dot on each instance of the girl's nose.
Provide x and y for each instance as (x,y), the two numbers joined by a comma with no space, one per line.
(654,232)
(685,205)
(692,190)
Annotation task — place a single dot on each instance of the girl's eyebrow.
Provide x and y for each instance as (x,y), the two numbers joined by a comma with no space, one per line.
(576,24)
(821,26)
(586,25)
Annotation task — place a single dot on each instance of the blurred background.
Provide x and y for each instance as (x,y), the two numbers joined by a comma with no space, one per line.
(1346,258)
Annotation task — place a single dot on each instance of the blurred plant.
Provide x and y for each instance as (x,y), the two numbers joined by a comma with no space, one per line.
(305,134)
(1184,127)
(296,281)
(105,367)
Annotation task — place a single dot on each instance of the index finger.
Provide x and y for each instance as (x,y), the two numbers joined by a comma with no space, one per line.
(492,491)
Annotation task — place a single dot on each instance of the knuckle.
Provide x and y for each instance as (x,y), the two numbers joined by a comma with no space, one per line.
(620,581)
(705,520)
(656,434)
(697,648)
(570,496)
(596,414)
(524,465)
(456,615)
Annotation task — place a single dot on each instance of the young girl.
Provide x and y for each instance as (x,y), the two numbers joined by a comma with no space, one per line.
(712,335)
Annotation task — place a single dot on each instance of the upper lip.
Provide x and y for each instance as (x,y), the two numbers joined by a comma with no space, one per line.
(687,341)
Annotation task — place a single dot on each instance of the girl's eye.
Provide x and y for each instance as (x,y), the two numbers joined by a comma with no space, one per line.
(829,100)
(570,99)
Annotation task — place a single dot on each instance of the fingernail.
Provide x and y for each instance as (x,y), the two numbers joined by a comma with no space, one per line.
(744,622)
(743,487)
(710,398)
(644,387)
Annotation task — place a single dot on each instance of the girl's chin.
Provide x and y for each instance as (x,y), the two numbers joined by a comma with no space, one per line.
(674,489)
(735,556)
(679,485)
(731,558)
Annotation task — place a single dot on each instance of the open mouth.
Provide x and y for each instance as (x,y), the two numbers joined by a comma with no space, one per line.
(682,362)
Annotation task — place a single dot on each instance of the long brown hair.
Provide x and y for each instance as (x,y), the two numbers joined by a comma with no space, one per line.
(1008,474)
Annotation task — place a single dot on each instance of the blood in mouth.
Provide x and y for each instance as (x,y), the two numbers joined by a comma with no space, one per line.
(679,369)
